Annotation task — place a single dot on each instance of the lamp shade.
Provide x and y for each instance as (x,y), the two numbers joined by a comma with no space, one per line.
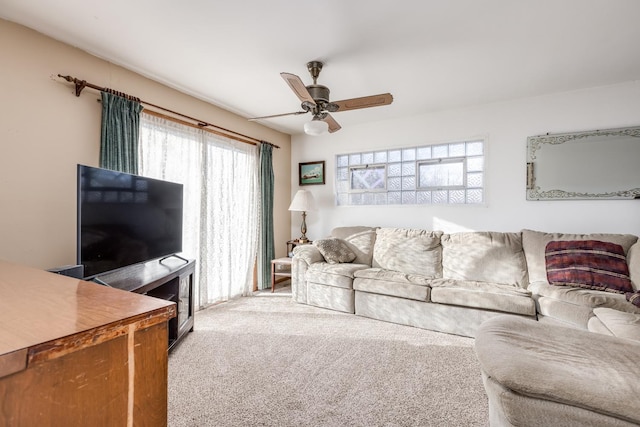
(303,201)
(316,127)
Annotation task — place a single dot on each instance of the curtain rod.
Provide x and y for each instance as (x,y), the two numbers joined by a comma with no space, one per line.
(81,84)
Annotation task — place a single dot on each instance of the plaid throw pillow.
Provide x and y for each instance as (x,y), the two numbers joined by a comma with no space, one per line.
(590,264)
(633,298)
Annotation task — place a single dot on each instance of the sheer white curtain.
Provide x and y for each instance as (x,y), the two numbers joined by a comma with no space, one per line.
(220,227)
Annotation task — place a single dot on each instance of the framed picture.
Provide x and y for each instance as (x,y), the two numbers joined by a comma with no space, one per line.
(311,173)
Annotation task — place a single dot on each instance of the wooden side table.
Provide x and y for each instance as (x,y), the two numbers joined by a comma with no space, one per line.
(279,267)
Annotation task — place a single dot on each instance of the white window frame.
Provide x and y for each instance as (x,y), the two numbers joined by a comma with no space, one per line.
(441,161)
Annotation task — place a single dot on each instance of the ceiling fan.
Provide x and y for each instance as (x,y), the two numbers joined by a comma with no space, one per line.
(315,100)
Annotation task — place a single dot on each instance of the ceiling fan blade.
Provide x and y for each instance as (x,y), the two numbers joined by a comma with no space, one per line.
(278,115)
(364,102)
(333,125)
(298,87)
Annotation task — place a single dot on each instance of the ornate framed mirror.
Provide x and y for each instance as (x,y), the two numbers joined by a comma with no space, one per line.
(600,164)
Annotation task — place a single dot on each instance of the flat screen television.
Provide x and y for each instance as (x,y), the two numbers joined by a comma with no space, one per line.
(125,219)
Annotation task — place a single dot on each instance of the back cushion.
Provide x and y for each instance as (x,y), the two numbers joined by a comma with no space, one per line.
(535,242)
(409,251)
(484,256)
(359,239)
(633,261)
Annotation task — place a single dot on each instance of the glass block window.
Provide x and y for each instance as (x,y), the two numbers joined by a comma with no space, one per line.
(451,173)
(368,178)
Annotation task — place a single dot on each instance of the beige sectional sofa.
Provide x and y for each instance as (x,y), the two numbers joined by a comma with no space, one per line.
(542,355)
(454,282)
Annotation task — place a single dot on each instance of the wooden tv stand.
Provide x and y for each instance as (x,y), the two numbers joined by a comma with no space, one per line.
(171,279)
(75,353)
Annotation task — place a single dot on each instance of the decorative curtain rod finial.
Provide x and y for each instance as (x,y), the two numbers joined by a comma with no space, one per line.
(80,84)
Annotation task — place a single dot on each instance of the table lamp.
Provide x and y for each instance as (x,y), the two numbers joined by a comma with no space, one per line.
(303,202)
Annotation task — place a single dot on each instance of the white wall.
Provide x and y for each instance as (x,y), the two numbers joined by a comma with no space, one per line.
(507,126)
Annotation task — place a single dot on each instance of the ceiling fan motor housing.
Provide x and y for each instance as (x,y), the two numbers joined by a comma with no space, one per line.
(319,93)
(315,99)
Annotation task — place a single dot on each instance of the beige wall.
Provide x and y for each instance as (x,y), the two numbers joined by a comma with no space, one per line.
(45,131)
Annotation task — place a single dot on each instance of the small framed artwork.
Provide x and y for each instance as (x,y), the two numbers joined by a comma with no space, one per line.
(311,173)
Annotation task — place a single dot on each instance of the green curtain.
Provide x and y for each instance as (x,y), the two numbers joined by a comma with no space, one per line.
(266,250)
(120,129)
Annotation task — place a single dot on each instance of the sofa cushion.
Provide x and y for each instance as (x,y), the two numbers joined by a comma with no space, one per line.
(359,239)
(484,256)
(633,261)
(621,325)
(339,275)
(535,242)
(334,250)
(583,297)
(589,264)
(595,325)
(551,310)
(387,282)
(392,276)
(488,296)
(409,251)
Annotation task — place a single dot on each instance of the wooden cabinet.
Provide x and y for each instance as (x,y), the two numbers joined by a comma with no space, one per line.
(171,279)
(75,353)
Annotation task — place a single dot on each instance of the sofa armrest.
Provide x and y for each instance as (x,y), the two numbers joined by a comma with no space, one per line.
(303,257)
(308,253)
(616,323)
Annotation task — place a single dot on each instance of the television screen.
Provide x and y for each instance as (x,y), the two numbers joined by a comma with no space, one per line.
(125,219)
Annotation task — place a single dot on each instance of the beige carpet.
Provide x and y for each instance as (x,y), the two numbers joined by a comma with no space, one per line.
(267,361)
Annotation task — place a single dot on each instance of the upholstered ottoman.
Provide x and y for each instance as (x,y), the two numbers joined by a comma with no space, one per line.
(547,375)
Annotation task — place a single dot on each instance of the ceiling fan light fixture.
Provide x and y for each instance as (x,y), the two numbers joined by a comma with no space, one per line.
(315,100)
(316,127)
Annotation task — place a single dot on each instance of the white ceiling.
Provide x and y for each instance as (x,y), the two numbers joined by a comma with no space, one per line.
(430,54)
